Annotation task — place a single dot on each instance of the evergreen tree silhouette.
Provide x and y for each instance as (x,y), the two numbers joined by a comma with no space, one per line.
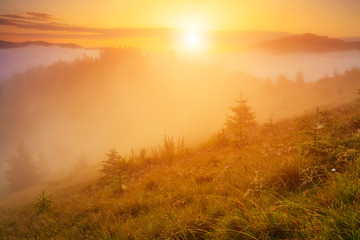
(241,123)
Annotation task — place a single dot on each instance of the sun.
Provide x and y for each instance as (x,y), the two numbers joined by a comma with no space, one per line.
(192,41)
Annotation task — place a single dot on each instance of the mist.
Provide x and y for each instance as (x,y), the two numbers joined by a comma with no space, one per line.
(129,99)
(313,65)
(17,60)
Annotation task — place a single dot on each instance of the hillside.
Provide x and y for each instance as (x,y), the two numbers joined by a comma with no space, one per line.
(66,110)
(296,178)
(305,43)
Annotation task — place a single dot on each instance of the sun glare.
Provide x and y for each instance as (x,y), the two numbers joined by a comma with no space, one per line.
(193,41)
(192,38)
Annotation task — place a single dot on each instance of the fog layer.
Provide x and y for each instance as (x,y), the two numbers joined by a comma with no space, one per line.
(128,99)
(312,65)
(15,60)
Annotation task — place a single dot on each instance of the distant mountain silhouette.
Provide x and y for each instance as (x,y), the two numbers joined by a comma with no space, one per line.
(305,43)
(5,44)
(241,39)
(351,39)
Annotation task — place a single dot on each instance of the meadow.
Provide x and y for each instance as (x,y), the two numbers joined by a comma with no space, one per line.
(296,178)
(179,120)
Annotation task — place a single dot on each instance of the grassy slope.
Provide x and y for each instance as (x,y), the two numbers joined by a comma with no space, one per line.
(281,186)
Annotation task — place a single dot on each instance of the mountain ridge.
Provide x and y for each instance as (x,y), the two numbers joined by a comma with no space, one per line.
(304,43)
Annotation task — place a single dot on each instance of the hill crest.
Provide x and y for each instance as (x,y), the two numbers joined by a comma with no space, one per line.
(304,43)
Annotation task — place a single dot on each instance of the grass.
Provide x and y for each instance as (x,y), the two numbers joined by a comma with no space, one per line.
(281,186)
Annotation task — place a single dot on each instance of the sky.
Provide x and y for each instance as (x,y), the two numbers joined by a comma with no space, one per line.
(110,22)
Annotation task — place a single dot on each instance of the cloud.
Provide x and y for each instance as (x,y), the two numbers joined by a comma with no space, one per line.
(30,21)
(42,16)
(13,16)
(6,22)
(44,22)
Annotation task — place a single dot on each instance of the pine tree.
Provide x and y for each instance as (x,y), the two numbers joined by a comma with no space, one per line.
(43,203)
(22,172)
(114,170)
(241,124)
(112,163)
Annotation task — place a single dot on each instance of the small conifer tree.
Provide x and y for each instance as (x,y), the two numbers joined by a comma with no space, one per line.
(241,124)
(43,203)
(114,168)
(111,165)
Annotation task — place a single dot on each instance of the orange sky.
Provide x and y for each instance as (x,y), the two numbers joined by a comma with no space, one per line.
(98,23)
